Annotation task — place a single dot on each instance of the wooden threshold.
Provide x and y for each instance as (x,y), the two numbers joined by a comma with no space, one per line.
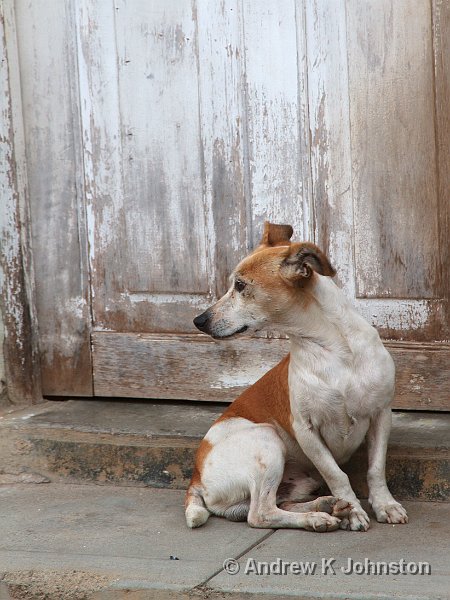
(195,367)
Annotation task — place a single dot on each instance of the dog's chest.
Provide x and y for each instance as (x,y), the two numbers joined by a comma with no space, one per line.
(338,396)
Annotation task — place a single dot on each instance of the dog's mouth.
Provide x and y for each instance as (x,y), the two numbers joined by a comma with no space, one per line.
(230,335)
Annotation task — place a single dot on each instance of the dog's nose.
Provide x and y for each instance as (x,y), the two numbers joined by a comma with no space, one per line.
(201,321)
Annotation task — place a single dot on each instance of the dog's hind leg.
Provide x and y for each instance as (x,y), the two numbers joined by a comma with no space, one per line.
(264,512)
(328,504)
(195,510)
(242,474)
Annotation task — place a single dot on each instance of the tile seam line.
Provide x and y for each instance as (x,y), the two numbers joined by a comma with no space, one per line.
(240,555)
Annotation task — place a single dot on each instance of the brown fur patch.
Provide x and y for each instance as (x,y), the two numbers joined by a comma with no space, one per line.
(276,234)
(202,452)
(266,401)
(263,269)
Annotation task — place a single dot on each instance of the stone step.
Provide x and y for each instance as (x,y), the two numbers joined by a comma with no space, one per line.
(145,443)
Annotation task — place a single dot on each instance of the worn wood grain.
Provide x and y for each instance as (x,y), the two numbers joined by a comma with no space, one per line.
(441,46)
(423,375)
(17,290)
(161,138)
(269,45)
(102,155)
(50,97)
(304,124)
(224,141)
(162,154)
(392,114)
(194,367)
(328,101)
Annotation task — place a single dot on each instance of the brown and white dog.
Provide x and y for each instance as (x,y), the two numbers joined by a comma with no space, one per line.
(292,429)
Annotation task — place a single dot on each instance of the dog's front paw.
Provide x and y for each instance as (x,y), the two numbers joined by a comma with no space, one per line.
(391,513)
(357,520)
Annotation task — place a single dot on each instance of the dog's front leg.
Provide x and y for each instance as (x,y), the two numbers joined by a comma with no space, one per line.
(319,454)
(386,508)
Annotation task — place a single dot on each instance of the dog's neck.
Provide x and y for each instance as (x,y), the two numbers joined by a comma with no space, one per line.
(329,323)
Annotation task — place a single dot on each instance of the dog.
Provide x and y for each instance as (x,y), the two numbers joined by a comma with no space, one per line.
(279,440)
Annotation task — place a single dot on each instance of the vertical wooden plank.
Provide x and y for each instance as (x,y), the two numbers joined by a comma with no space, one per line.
(392,116)
(441,47)
(102,154)
(117,132)
(330,138)
(224,137)
(304,122)
(271,71)
(162,162)
(20,344)
(46,38)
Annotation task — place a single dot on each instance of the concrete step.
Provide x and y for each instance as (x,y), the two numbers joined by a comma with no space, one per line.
(143,443)
(91,542)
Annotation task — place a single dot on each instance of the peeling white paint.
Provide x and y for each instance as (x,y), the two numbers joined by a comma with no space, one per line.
(417,382)
(399,315)
(241,379)
(197,300)
(269,41)
(69,316)
(13,216)
(90,225)
(340,253)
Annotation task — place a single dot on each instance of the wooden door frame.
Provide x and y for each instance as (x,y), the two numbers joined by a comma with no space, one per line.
(17,294)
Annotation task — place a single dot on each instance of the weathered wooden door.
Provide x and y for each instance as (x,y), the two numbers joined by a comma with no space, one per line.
(167,132)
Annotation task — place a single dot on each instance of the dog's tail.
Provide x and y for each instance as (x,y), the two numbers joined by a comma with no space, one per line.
(196,512)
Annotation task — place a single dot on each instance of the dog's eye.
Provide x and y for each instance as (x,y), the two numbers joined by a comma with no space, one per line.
(239,285)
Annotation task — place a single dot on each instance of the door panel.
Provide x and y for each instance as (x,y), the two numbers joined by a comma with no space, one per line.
(161,155)
(392,116)
(377,211)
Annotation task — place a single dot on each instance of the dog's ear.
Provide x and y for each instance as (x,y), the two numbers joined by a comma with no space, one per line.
(275,235)
(302,260)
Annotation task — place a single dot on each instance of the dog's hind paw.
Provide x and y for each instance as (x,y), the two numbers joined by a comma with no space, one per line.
(321,522)
(391,513)
(342,509)
(333,506)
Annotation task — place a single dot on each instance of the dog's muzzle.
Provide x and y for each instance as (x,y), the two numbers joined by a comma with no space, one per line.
(220,330)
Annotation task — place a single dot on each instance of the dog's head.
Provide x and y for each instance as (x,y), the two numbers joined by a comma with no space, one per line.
(268,286)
